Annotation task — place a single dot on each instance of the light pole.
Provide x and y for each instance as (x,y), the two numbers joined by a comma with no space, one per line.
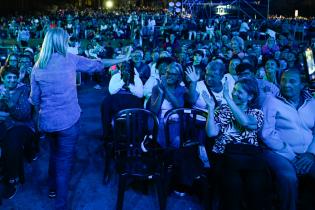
(268,4)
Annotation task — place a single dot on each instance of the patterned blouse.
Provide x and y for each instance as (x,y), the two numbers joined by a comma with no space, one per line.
(231,131)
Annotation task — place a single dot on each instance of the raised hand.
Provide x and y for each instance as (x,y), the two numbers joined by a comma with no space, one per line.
(208,99)
(226,90)
(128,52)
(192,74)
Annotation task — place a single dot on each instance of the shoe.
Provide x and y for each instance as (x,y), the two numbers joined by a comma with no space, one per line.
(52,194)
(35,156)
(97,87)
(180,194)
(10,191)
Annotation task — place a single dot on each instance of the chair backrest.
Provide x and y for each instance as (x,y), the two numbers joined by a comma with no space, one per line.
(131,127)
(191,124)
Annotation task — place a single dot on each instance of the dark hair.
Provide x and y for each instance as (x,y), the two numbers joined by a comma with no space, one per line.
(9,70)
(27,56)
(244,66)
(251,87)
(199,52)
(252,60)
(293,71)
(9,56)
(166,60)
(129,66)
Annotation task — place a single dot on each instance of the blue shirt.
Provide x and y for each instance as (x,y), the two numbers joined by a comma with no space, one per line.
(53,90)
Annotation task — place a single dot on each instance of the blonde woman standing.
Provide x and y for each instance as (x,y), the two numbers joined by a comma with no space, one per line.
(54,94)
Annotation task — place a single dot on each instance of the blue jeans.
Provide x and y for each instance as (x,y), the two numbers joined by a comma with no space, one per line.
(286,179)
(62,147)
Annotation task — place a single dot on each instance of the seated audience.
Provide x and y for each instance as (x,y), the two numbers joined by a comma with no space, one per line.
(212,85)
(125,91)
(288,132)
(236,157)
(17,130)
(168,94)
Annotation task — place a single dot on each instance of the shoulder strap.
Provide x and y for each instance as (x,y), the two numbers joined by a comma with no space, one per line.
(213,96)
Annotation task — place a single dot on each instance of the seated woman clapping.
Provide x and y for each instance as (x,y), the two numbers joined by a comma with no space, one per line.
(17,130)
(125,91)
(235,154)
(168,94)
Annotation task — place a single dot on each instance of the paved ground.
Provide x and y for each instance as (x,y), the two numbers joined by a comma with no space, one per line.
(86,189)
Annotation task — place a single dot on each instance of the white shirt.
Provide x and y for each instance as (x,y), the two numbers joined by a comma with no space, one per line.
(200,103)
(116,83)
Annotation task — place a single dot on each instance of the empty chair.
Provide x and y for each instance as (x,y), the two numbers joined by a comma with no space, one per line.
(185,128)
(136,157)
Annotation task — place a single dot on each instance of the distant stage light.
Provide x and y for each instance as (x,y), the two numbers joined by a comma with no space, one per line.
(109,4)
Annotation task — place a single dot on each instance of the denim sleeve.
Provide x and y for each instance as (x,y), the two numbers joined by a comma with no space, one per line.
(35,90)
(88,65)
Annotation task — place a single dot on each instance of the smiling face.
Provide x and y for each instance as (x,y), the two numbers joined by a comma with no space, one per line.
(240,96)
(172,74)
(10,81)
(197,58)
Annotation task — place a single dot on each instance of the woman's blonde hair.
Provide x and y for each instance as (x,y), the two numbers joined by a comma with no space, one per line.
(55,41)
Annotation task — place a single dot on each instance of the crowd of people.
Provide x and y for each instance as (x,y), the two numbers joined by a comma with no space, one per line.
(248,75)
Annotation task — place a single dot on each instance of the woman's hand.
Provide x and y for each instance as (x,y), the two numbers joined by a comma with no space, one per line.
(208,99)
(128,54)
(226,90)
(192,74)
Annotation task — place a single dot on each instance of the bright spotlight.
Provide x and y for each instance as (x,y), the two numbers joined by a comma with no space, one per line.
(109,4)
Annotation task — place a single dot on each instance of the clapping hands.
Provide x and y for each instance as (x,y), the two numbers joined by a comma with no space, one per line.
(208,99)
(226,90)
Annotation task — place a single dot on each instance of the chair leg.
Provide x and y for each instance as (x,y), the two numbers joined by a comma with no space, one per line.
(161,193)
(107,164)
(121,192)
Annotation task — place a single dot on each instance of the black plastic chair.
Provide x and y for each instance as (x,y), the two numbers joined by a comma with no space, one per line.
(133,157)
(185,158)
(111,105)
(188,120)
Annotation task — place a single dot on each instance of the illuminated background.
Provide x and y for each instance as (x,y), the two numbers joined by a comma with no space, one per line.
(279,7)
